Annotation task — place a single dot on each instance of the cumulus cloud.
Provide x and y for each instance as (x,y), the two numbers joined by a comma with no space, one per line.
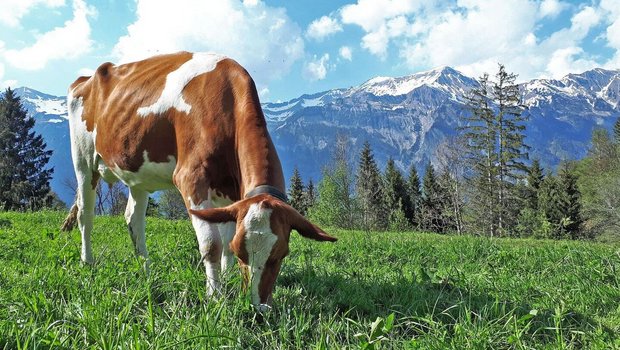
(5,83)
(552,8)
(261,38)
(12,11)
(69,41)
(346,53)
(568,60)
(317,68)
(86,72)
(323,27)
(474,35)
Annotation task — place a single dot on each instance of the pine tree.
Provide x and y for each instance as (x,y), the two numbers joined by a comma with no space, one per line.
(573,220)
(309,195)
(24,179)
(433,203)
(296,192)
(495,148)
(415,196)
(617,131)
(512,150)
(560,201)
(550,201)
(480,133)
(396,199)
(535,179)
(369,192)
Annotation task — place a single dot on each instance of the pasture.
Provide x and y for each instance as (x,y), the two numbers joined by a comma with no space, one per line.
(392,290)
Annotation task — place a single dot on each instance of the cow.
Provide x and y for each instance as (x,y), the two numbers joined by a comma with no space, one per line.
(191,121)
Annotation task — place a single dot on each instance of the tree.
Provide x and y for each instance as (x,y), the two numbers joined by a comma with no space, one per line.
(512,150)
(396,199)
(571,202)
(433,203)
(415,196)
(495,149)
(452,166)
(599,184)
(335,206)
(171,205)
(535,178)
(559,200)
(369,192)
(617,131)
(296,192)
(309,195)
(152,208)
(24,178)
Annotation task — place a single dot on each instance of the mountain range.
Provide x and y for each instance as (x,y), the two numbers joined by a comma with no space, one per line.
(404,118)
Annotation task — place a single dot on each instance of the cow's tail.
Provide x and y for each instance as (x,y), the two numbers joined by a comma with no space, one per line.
(71,219)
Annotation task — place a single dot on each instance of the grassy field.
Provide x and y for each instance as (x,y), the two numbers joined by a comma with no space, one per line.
(373,290)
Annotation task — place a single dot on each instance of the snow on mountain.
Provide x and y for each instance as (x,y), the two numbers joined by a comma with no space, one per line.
(404,118)
(50,114)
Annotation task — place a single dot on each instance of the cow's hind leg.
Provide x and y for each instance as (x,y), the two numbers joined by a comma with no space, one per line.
(135,216)
(85,200)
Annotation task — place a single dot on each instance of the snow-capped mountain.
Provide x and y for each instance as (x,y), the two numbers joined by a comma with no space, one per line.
(405,118)
(50,114)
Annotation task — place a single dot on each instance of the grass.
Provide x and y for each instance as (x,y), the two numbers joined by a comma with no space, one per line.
(444,292)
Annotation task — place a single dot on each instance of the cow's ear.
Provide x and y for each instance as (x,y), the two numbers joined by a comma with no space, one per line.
(306,228)
(216,215)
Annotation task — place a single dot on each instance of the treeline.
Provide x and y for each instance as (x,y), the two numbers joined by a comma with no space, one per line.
(482,181)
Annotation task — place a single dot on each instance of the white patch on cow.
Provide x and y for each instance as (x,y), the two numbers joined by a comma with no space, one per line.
(207,235)
(172,95)
(259,241)
(151,176)
(83,156)
(227,232)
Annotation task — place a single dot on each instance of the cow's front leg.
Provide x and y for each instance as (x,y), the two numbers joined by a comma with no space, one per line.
(135,216)
(227,232)
(210,245)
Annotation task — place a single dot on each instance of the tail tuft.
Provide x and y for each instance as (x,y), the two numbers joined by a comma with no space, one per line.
(71,219)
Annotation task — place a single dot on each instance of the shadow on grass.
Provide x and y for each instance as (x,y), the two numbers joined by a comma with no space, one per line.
(424,306)
(4,223)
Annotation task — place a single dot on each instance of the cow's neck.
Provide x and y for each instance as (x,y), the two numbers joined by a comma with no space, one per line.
(258,161)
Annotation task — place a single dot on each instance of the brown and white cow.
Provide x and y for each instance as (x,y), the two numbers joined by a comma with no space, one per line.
(194,121)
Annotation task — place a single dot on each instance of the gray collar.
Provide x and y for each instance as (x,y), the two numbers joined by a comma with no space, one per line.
(270,190)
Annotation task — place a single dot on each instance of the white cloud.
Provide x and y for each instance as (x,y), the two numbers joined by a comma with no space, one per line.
(316,69)
(474,35)
(86,72)
(567,60)
(5,83)
(261,38)
(551,8)
(263,93)
(323,27)
(371,14)
(12,11)
(67,42)
(346,53)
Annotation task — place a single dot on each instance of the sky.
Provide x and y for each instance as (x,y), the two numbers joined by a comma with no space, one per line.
(306,46)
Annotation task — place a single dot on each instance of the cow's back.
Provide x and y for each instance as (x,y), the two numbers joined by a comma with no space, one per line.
(173,111)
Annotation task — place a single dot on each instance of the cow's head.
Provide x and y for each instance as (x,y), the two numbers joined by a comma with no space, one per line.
(264,225)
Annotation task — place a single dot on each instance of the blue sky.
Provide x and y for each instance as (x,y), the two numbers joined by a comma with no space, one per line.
(305,46)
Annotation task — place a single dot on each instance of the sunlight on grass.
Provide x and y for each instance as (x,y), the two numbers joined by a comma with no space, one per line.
(368,290)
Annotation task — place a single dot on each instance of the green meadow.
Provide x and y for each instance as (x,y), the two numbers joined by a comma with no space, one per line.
(394,290)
